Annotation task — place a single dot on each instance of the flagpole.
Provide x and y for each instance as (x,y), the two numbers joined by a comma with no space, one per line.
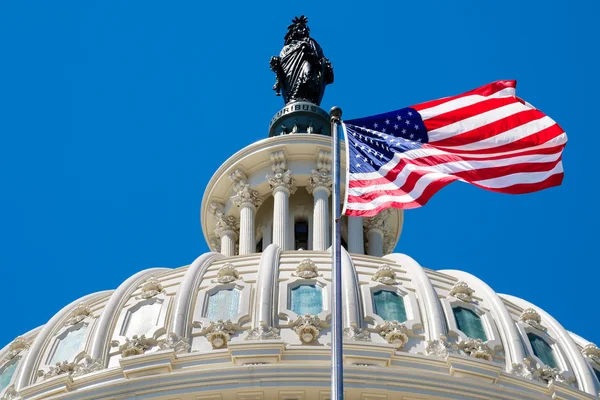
(337,369)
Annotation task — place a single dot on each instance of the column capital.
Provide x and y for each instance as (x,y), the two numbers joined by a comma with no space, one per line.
(224,223)
(242,193)
(321,176)
(281,179)
(378,222)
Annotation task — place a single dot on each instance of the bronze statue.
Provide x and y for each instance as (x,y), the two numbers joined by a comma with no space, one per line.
(302,71)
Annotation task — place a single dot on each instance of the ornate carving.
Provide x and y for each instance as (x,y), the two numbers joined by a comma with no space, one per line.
(242,193)
(522,370)
(214,242)
(378,222)
(389,241)
(81,312)
(394,333)
(302,71)
(83,364)
(592,352)
(531,317)
(353,333)
(218,333)
(282,177)
(151,288)
(321,176)
(476,348)
(18,345)
(385,274)
(439,347)
(549,375)
(177,343)
(135,346)
(227,274)
(10,393)
(308,327)
(263,333)
(462,291)
(226,223)
(307,269)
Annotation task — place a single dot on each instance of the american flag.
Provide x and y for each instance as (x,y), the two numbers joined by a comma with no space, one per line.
(487,137)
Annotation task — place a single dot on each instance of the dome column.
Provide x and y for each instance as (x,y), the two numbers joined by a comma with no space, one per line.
(319,185)
(282,184)
(355,235)
(227,228)
(248,201)
(376,228)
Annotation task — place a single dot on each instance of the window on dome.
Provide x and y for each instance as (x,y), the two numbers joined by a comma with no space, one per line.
(596,371)
(389,306)
(69,346)
(469,323)
(542,350)
(139,321)
(301,235)
(223,305)
(307,299)
(7,374)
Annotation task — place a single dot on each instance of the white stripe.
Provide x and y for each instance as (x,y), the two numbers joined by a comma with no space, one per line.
(521,177)
(462,102)
(452,168)
(510,136)
(476,121)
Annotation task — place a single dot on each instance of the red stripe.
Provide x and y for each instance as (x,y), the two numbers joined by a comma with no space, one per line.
(450,117)
(490,130)
(522,188)
(486,90)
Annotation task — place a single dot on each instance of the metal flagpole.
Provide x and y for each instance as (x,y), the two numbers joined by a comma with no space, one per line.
(337,369)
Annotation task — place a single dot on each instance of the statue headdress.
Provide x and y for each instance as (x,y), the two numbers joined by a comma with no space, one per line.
(296,22)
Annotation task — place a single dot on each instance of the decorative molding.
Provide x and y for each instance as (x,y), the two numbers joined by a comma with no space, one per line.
(385,274)
(355,334)
(321,176)
(10,393)
(531,317)
(377,222)
(152,287)
(523,370)
(226,223)
(140,344)
(394,333)
(549,375)
(263,333)
(79,313)
(462,291)
(282,177)
(179,344)
(227,274)
(17,346)
(592,352)
(476,348)
(218,333)
(439,347)
(242,194)
(307,269)
(83,364)
(308,328)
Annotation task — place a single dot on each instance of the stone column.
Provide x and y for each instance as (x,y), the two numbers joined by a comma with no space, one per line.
(248,201)
(226,229)
(355,235)
(376,228)
(266,235)
(319,185)
(282,184)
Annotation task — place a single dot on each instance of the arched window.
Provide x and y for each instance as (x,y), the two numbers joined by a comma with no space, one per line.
(223,305)
(469,323)
(542,350)
(141,319)
(69,346)
(7,374)
(389,306)
(301,235)
(307,299)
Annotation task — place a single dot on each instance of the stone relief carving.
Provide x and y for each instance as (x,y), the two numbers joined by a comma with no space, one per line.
(214,242)
(218,333)
(546,374)
(394,333)
(462,291)
(140,344)
(18,345)
(476,348)
(353,333)
(263,333)
(321,176)
(227,274)
(308,327)
(549,375)
(522,370)
(385,274)
(592,352)
(282,177)
(389,240)
(439,347)
(151,288)
(173,341)
(81,312)
(307,269)
(10,394)
(83,364)
(532,318)
(378,222)
(241,190)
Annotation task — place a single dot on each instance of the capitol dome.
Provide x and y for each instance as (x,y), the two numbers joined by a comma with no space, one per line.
(251,318)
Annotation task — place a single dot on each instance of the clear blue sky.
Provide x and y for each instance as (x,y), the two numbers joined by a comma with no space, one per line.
(115,114)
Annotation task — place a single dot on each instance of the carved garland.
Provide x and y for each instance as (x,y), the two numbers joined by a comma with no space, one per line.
(385,274)
(531,317)
(462,291)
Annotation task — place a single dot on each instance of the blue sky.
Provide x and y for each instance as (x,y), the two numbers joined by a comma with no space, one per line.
(114,115)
